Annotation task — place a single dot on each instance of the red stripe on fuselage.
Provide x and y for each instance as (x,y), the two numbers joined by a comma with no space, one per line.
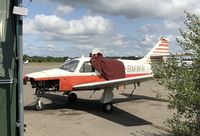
(67,82)
(137,75)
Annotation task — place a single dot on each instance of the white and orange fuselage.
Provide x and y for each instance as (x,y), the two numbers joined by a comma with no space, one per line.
(68,79)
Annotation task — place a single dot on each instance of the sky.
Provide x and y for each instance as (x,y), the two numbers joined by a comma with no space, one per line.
(117,27)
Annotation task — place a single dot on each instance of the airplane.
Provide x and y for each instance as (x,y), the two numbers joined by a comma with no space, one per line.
(78,74)
(26,62)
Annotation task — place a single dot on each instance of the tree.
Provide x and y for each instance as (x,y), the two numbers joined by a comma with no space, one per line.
(25,57)
(183,81)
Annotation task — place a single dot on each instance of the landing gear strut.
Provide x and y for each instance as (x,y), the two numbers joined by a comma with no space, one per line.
(39,104)
(106,99)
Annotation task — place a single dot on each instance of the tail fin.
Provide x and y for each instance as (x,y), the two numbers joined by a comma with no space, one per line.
(160,49)
(159,52)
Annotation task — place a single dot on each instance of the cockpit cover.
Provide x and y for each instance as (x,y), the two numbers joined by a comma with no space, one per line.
(109,68)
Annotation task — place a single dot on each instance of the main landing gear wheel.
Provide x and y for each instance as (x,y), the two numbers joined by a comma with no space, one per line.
(107,107)
(39,105)
(72,97)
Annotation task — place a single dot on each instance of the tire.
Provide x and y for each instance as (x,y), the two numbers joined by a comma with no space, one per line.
(107,107)
(72,97)
(39,92)
(39,105)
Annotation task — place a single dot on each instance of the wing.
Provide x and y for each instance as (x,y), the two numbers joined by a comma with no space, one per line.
(112,83)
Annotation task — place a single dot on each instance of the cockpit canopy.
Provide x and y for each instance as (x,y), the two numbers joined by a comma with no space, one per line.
(79,65)
(70,65)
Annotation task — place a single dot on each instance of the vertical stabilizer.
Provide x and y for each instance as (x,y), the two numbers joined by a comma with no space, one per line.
(160,49)
(158,52)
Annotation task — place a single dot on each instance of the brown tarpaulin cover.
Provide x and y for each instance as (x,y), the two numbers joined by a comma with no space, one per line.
(109,68)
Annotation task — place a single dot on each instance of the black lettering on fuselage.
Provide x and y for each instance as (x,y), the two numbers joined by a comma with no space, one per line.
(135,68)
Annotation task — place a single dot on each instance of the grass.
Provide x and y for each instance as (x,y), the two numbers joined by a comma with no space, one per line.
(53,64)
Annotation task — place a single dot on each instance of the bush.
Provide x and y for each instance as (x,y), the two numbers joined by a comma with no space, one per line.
(183,82)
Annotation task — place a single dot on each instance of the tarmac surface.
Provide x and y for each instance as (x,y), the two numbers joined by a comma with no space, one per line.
(142,114)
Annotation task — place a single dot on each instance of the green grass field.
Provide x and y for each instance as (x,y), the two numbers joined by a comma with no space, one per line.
(56,64)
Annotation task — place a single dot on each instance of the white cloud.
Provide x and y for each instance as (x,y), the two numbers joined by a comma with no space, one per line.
(148,39)
(44,50)
(163,27)
(63,9)
(94,29)
(137,8)
(149,28)
(120,40)
(172,25)
(54,25)
(84,34)
(153,31)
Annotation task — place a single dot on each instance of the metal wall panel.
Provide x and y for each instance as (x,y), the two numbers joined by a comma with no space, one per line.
(8,74)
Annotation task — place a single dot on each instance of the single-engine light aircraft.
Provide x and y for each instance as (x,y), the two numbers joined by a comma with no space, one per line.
(79,74)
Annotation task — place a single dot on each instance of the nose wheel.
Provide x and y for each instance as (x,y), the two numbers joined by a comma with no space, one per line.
(39,105)
(107,107)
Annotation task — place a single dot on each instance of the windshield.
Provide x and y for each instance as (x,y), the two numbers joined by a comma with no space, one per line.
(70,65)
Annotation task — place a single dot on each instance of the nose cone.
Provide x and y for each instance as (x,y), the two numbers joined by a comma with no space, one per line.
(37,75)
(44,75)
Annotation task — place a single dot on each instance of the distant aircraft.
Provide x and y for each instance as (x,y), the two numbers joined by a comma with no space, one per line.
(79,74)
(26,62)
